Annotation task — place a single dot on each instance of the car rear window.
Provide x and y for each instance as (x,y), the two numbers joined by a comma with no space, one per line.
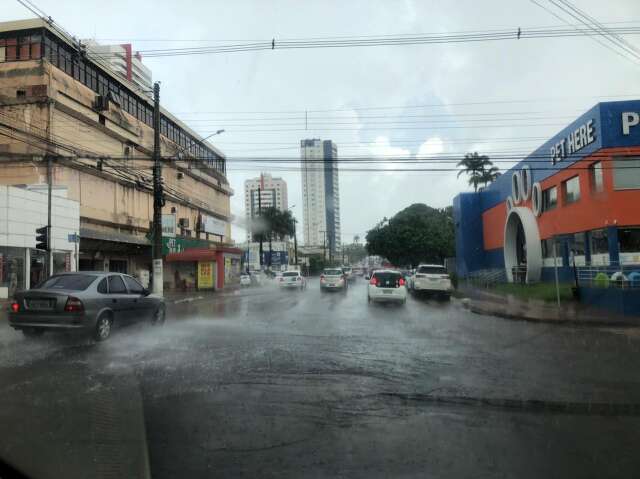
(387,277)
(333,272)
(289,274)
(73,282)
(432,270)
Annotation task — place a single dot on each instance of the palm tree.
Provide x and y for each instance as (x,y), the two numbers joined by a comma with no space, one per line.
(490,175)
(356,238)
(474,165)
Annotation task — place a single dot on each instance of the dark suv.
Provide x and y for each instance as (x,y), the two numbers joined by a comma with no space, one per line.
(92,301)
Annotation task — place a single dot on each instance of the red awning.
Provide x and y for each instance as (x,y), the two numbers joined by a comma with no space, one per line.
(192,254)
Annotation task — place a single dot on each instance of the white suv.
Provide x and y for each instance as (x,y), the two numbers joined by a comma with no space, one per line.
(387,285)
(432,278)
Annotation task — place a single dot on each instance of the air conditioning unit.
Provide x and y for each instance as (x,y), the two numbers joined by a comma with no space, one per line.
(183,222)
(101,103)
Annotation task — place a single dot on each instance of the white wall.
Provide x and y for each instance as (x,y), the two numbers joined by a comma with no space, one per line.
(23,211)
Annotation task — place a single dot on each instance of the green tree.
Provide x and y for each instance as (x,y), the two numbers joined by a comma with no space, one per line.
(273,224)
(415,235)
(489,175)
(474,165)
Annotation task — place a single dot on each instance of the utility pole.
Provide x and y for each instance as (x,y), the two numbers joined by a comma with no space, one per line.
(260,215)
(157,195)
(49,195)
(295,241)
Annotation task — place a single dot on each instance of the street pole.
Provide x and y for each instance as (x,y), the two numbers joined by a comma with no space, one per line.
(295,241)
(157,195)
(49,198)
(555,270)
(260,215)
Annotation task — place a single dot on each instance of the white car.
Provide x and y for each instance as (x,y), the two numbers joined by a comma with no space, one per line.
(292,279)
(386,285)
(245,280)
(333,279)
(432,278)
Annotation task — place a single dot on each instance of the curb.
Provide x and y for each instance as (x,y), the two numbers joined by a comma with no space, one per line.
(532,319)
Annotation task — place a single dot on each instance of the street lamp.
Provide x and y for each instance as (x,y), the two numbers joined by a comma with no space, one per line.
(204,139)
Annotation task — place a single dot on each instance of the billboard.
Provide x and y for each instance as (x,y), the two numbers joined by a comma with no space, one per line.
(213,225)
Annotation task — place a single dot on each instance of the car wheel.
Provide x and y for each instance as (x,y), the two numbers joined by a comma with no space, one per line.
(159,317)
(103,328)
(446,297)
(32,332)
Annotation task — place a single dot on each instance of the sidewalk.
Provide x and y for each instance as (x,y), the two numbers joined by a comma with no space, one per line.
(485,302)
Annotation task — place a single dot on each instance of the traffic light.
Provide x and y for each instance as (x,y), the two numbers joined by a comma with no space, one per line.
(42,238)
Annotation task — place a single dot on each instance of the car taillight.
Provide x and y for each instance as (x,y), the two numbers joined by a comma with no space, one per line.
(73,305)
(15,307)
(401,282)
(322,277)
(373,281)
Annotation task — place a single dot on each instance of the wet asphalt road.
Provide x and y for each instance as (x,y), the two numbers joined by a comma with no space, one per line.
(268,383)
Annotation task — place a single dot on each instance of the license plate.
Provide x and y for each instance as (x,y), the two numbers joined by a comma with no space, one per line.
(39,304)
(332,284)
(387,292)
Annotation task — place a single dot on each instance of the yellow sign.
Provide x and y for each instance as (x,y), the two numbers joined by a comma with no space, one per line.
(206,274)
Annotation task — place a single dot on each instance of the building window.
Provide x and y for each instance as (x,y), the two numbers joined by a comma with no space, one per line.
(597,179)
(629,240)
(626,173)
(599,242)
(571,190)
(550,198)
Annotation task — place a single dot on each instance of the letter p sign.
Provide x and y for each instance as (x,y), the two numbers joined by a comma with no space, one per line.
(629,119)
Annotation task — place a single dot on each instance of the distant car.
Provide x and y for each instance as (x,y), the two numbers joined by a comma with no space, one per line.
(292,279)
(332,279)
(432,278)
(348,273)
(91,301)
(387,285)
(245,280)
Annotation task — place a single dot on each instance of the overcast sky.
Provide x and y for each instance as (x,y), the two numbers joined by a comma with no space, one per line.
(528,89)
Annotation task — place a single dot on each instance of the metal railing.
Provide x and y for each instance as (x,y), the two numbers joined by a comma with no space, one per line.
(487,277)
(626,276)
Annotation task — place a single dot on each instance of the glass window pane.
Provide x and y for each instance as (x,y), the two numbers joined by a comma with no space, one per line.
(626,173)
(549,198)
(116,285)
(597,179)
(571,189)
(102,286)
(599,242)
(133,285)
(629,240)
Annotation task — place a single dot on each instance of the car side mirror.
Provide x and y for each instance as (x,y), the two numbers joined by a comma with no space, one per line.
(145,292)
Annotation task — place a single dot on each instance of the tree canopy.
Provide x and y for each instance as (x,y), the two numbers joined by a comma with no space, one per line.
(479,168)
(417,234)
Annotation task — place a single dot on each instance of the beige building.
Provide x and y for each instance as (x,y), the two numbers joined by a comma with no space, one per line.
(57,99)
(273,193)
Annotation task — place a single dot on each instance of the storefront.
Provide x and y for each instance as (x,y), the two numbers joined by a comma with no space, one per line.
(569,206)
(201,268)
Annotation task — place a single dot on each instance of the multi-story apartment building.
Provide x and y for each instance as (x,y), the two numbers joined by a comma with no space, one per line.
(59,101)
(123,61)
(272,191)
(320,193)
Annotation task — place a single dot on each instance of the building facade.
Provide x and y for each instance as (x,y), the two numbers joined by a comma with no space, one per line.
(124,62)
(569,207)
(22,211)
(59,102)
(320,193)
(273,193)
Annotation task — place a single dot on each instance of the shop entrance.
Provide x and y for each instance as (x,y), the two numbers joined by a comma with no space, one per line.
(522,248)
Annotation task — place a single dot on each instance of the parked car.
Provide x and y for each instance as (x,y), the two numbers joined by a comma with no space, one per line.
(332,279)
(292,279)
(387,285)
(432,278)
(91,301)
(245,280)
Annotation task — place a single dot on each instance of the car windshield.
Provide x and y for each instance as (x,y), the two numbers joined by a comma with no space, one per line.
(333,272)
(321,238)
(431,270)
(72,282)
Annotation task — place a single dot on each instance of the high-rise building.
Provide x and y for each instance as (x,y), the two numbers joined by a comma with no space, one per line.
(273,192)
(122,60)
(320,193)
